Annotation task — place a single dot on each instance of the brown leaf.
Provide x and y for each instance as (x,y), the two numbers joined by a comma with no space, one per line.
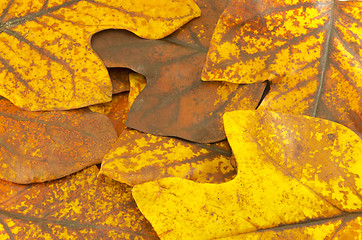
(120,79)
(41,146)
(175,101)
(116,110)
(139,157)
(79,206)
(311,52)
(46,62)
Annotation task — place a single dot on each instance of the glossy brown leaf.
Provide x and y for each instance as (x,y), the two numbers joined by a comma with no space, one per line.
(139,157)
(41,146)
(79,206)
(120,79)
(310,50)
(116,110)
(175,101)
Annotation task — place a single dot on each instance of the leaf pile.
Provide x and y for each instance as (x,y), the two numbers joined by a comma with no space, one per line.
(211,119)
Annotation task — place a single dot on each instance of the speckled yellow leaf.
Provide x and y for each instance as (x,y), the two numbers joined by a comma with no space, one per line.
(310,50)
(42,146)
(138,157)
(46,61)
(291,170)
(79,206)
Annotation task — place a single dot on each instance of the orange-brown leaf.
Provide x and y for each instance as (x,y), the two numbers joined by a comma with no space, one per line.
(175,102)
(293,171)
(79,206)
(41,146)
(311,52)
(139,157)
(116,110)
(46,61)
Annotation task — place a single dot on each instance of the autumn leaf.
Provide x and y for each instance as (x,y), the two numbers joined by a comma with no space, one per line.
(137,83)
(139,157)
(41,146)
(175,102)
(294,173)
(338,228)
(120,79)
(116,110)
(46,61)
(309,50)
(79,206)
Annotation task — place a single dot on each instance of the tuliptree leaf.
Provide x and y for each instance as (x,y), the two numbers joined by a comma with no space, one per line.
(116,110)
(175,102)
(120,79)
(79,206)
(138,157)
(295,173)
(41,146)
(137,83)
(310,50)
(46,61)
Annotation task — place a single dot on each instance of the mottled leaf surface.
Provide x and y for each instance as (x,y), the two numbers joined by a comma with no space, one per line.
(293,171)
(46,61)
(116,110)
(175,102)
(79,206)
(41,146)
(139,157)
(310,50)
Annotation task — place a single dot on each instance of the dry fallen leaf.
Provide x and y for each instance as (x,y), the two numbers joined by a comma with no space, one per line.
(79,206)
(116,110)
(175,102)
(339,228)
(139,157)
(41,146)
(311,52)
(137,83)
(46,61)
(293,171)
(120,79)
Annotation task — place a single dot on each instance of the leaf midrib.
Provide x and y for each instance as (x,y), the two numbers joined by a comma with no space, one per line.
(324,60)
(66,223)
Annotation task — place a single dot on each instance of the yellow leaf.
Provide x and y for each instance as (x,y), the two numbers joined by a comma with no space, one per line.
(79,206)
(46,58)
(291,170)
(338,228)
(137,84)
(311,52)
(138,157)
